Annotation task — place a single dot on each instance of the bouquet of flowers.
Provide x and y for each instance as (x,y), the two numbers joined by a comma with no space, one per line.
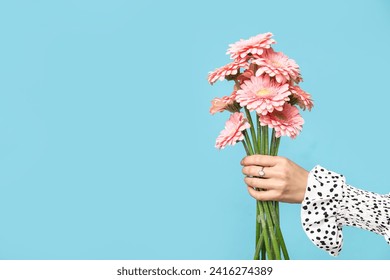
(266,89)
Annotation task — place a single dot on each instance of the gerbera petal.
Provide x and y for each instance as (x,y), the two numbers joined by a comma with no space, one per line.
(229,69)
(233,130)
(303,98)
(279,65)
(253,46)
(286,122)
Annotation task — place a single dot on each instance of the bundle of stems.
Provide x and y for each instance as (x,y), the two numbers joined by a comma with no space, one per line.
(270,244)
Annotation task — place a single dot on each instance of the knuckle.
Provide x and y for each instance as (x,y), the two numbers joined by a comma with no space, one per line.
(251,170)
(283,161)
(278,196)
(283,175)
(284,168)
(282,184)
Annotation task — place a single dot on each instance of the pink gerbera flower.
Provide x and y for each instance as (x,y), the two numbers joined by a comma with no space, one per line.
(286,122)
(302,98)
(233,131)
(263,95)
(278,65)
(254,46)
(225,103)
(227,70)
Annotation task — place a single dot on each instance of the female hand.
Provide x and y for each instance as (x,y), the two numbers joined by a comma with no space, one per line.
(283,180)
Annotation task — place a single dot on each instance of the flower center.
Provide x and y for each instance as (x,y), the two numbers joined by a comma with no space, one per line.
(262,92)
(276,64)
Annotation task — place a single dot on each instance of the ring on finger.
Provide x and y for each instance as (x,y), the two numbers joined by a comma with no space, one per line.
(261,172)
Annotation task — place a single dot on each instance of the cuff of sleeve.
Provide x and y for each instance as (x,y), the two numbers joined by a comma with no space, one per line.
(366,210)
(387,236)
(320,208)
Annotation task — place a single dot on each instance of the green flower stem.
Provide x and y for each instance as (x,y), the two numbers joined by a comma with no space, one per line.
(273,143)
(259,246)
(263,254)
(273,152)
(248,142)
(258,133)
(265,231)
(262,150)
(281,241)
(276,142)
(277,145)
(269,238)
(282,244)
(272,216)
(245,147)
(249,151)
(272,226)
(278,232)
(264,134)
(261,141)
(252,129)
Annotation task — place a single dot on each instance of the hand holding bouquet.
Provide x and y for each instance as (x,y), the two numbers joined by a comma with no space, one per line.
(266,89)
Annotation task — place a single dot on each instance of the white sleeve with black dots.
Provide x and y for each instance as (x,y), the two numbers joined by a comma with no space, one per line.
(330,203)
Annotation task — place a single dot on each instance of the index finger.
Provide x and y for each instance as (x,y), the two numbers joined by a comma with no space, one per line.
(261,160)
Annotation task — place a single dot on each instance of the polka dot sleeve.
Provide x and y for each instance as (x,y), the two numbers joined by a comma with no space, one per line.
(330,204)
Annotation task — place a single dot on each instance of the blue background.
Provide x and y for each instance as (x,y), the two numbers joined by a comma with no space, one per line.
(107,147)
